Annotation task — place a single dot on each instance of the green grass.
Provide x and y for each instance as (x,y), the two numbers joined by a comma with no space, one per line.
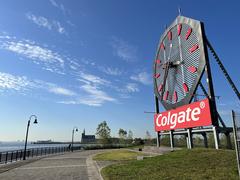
(183,164)
(117,155)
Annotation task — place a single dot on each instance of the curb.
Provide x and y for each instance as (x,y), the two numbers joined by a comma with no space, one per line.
(93,169)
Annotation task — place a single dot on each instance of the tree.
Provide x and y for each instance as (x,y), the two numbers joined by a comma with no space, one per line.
(130,134)
(148,138)
(148,135)
(130,137)
(138,141)
(122,133)
(103,132)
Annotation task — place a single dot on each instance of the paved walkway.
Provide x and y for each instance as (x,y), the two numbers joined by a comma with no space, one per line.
(69,166)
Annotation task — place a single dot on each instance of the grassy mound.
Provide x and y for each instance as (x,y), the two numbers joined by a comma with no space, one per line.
(183,164)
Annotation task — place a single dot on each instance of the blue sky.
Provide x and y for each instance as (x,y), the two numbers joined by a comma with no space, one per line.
(78,63)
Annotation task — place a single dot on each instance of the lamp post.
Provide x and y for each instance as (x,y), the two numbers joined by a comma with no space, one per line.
(35,122)
(74,129)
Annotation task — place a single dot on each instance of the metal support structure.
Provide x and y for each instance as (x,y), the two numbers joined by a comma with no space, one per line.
(216,137)
(171,140)
(236,141)
(234,88)
(158,139)
(206,94)
(228,139)
(190,141)
(205,141)
(187,141)
(157,111)
(225,129)
(211,94)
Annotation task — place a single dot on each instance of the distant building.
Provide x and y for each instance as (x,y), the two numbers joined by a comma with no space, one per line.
(87,138)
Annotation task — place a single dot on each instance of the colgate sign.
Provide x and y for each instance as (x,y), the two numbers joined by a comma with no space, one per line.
(192,115)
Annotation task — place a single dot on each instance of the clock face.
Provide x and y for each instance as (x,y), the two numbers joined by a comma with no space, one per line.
(179,62)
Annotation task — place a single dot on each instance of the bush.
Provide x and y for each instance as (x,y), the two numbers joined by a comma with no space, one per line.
(137,142)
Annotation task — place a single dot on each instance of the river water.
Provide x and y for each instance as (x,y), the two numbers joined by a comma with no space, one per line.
(10,146)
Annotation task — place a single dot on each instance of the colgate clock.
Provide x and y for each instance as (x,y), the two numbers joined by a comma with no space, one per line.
(179,62)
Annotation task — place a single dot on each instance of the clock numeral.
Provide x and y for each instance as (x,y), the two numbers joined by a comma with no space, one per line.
(192,69)
(166,96)
(160,87)
(175,96)
(169,35)
(179,29)
(157,75)
(185,87)
(162,46)
(158,61)
(188,33)
(194,48)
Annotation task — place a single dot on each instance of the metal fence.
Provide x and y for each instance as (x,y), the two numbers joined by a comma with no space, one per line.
(236,131)
(12,156)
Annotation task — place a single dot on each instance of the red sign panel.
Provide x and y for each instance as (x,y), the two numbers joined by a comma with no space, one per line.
(192,115)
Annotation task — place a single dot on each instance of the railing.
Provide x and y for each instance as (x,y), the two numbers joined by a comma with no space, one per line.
(16,155)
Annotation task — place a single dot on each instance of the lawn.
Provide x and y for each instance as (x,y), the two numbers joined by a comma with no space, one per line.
(117,155)
(183,164)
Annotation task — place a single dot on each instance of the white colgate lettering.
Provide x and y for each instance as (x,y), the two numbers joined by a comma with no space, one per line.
(173,119)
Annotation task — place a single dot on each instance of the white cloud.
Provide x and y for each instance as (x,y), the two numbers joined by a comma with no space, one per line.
(46,23)
(142,77)
(93,89)
(126,89)
(62,91)
(53,88)
(90,78)
(53,3)
(50,60)
(124,50)
(92,93)
(94,96)
(111,71)
(59,27)
(39,20)
(11,82)
(87,61)
(132,87)
(60,6)
(22,83)
(34,52)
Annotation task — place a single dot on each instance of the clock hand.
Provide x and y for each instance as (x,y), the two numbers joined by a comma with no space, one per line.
(165,79)
(170,51)
(167,66)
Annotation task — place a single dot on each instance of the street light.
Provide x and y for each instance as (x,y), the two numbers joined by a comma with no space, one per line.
(74,129)
(35,122)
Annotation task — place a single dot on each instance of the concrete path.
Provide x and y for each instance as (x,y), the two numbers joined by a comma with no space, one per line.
(69,166)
